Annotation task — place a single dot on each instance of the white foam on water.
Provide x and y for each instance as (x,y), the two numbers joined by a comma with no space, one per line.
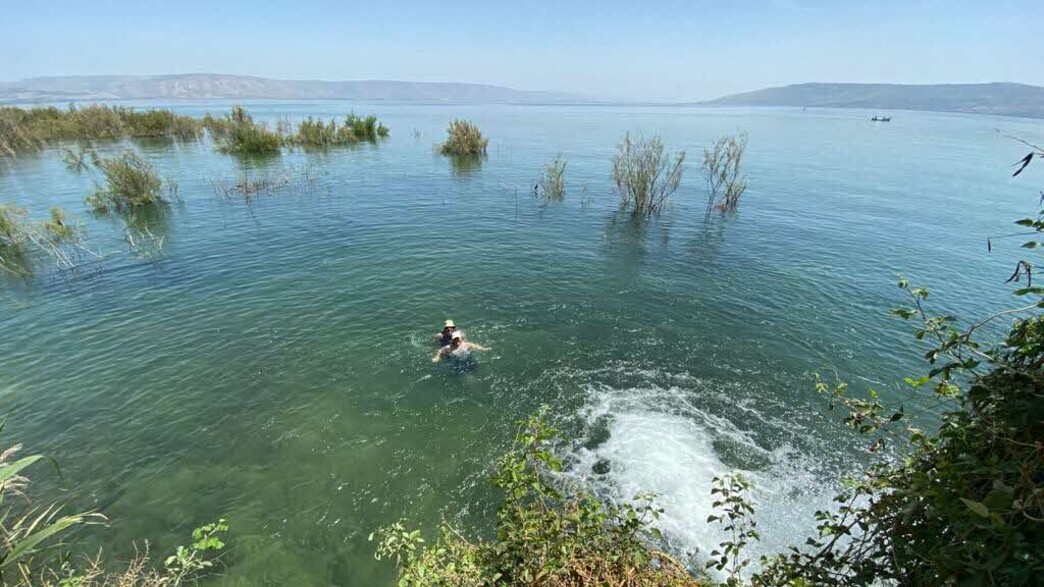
(659,442)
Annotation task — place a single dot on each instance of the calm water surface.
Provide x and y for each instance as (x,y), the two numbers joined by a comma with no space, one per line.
(271,366)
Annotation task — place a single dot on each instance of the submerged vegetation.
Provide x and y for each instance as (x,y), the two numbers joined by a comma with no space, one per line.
(24,242)
(315,133)
(29,130)
(463,138)
(645,174)
(130,183)
(552,184)
(722,170)
(547,534)
(237,133)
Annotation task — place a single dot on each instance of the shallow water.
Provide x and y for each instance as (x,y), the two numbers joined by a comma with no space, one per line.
(271,366)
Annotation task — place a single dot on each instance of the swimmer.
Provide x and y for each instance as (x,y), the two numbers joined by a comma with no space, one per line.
(457,348)
(444,337)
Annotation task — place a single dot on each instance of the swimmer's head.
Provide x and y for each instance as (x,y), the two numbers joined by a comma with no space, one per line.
(456,339)
(448,326)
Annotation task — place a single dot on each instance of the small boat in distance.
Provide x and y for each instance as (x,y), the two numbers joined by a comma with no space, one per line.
(882,119)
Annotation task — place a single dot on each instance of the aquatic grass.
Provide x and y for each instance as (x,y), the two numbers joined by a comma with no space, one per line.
(551,185)
(296,179)
(24,242)
(237,133)
(722,170)
(130,183)
(645,174)
(29,130)
(79,159)
(463,138)
(366,128)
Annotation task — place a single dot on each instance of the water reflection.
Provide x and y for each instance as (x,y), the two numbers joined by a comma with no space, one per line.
(465,165)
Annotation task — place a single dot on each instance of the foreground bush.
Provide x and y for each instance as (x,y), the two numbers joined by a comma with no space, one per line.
(545,535)
(237,133)
(463,138)
(645,174)
(130,183)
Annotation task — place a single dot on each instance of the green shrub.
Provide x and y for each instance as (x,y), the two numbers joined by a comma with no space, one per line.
(317,134)
(552,181)
(645,175)
(463,138)
(130,183)
(366,129)
(237,133)
(546,535)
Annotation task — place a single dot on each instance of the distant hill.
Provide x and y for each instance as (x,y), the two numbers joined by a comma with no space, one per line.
(998,98)
(217,86)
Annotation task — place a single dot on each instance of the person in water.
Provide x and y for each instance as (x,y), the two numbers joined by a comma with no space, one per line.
(457,348)
(445,337)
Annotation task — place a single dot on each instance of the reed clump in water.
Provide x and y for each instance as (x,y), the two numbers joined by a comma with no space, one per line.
(645,174)
(28,130)
(552,185)
(237,133)
(463,138)
(722,168)
(315,133)
(130,183)
(24,242)
(366,128)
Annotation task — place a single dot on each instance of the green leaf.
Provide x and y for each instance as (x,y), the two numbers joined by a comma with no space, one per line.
(1025,222)
(24,547)
(977,507)
(12,469)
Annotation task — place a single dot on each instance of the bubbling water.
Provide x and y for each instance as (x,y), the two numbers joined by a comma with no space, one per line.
(657,440)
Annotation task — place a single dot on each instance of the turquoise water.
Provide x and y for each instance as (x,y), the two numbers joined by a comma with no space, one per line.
(271,364)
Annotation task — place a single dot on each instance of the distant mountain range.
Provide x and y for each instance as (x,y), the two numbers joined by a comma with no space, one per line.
(239,87)
(998,98)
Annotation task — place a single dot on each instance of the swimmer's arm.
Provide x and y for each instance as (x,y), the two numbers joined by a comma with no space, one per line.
(437,357)
(479,347)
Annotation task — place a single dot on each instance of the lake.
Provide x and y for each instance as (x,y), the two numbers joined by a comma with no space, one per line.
(270,364)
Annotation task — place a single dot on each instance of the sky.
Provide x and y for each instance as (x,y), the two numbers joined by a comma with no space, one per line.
(640,50)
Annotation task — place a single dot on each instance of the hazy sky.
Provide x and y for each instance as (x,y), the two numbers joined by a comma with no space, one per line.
(666,50)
